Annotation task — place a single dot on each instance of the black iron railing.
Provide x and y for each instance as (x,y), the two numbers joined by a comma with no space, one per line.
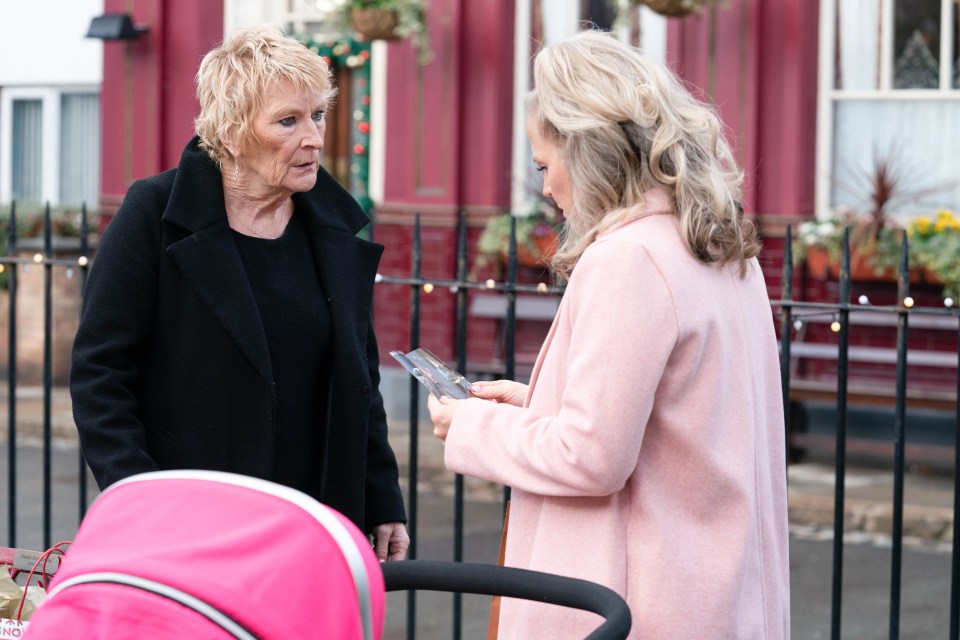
(787,311)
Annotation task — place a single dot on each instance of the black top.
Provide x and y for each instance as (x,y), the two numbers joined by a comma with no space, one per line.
(296,319)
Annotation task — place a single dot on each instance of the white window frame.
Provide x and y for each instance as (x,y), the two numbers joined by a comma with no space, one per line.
(560,21)
(828,95)
(51,100)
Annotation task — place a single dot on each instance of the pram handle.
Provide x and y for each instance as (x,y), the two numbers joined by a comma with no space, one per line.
(465,577)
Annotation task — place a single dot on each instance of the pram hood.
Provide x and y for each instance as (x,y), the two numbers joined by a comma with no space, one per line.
(205,554)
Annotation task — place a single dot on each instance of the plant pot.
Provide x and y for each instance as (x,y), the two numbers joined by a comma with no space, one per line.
(538,255)
(821,266)
(375,24)
(818,263)
(929,276)
(673,8)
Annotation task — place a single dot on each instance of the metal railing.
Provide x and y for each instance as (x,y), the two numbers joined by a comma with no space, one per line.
(787,310)
(11,266)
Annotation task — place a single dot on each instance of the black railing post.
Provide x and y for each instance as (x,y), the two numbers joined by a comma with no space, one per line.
(12,381)
(955,558)
(510,338)
(83,261)
(786,326)
(510,335)
(47,379)
(461,348)
(839,504)
(416,257)
(904,302)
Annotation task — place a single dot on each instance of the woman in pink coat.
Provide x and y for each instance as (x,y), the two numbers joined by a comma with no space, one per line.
(647,453)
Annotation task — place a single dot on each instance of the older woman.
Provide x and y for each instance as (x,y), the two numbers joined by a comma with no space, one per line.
(227,318)
(647,454)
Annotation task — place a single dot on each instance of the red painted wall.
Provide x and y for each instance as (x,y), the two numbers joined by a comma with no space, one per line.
(757,61)
(148,96)
(448,133)
(449,122)
(448,146)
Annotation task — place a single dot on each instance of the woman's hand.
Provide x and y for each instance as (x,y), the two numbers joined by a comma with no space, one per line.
(441,414)
(505,391)
(390,541)
(443,410)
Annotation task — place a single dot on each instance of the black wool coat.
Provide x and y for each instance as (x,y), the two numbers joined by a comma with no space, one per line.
(171,368)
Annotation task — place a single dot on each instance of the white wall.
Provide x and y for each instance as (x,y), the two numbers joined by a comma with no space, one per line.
(42,42)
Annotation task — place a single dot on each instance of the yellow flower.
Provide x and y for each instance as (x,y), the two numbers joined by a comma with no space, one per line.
(921,226)
(946,221)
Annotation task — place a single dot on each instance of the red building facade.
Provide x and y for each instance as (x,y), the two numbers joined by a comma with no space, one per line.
(448,139)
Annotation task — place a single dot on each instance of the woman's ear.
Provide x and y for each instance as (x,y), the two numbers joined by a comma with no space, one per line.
(230,144)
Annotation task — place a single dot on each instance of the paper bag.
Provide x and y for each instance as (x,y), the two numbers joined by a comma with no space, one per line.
(10,595)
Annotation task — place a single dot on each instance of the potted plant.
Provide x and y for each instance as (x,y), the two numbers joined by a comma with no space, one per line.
(537,237)
(391,20)
(935,244)
(676,8)
(874,236)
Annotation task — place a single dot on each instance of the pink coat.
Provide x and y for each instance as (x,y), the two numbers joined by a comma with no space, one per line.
(650,457)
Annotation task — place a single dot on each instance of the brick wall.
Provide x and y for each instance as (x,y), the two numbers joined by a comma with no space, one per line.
(30,317)
(438,308)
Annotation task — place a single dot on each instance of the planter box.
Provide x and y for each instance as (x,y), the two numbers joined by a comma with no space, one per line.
(820,265)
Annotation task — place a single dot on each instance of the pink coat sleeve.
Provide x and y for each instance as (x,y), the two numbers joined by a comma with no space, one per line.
(593,387)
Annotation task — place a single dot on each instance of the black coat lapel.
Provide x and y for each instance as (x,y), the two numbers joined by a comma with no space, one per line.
(208,258)
(211,265)
(345,263)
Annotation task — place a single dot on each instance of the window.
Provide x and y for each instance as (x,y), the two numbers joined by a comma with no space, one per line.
(80,149)
(889,93)
(50,145)
(27,150)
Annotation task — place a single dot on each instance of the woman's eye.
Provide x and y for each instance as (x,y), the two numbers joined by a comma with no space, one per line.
(288,121)
(318,115)
(541,168)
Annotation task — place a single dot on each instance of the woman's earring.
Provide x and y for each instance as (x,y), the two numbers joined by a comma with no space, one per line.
(236,170)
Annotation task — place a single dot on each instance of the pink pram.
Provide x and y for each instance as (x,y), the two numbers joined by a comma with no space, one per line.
(203,554)
(200,554)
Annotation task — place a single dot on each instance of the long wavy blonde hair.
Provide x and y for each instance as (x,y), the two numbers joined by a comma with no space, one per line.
(625,125)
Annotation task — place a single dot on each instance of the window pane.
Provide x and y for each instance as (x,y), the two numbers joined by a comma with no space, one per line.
(858,44)
(956,44)
(80,149)
(916,44)
(918,137)
(26,160)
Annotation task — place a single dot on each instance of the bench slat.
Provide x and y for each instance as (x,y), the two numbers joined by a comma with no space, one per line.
(941,359)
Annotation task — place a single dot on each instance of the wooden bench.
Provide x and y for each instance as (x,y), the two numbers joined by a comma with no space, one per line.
(529,308)
(879,391)
(879,388)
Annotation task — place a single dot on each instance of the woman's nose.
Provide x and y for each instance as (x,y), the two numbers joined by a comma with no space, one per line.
(313,136)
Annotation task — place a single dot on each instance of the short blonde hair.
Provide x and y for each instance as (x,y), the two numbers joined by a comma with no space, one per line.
(234,77)
(625,125)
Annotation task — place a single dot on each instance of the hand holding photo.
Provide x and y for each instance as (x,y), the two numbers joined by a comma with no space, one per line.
(433,373)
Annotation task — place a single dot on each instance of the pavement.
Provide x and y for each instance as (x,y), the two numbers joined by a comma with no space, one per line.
(928,532)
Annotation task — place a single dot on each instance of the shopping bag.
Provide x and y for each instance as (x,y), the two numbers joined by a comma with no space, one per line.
(16,603)
(12,628)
